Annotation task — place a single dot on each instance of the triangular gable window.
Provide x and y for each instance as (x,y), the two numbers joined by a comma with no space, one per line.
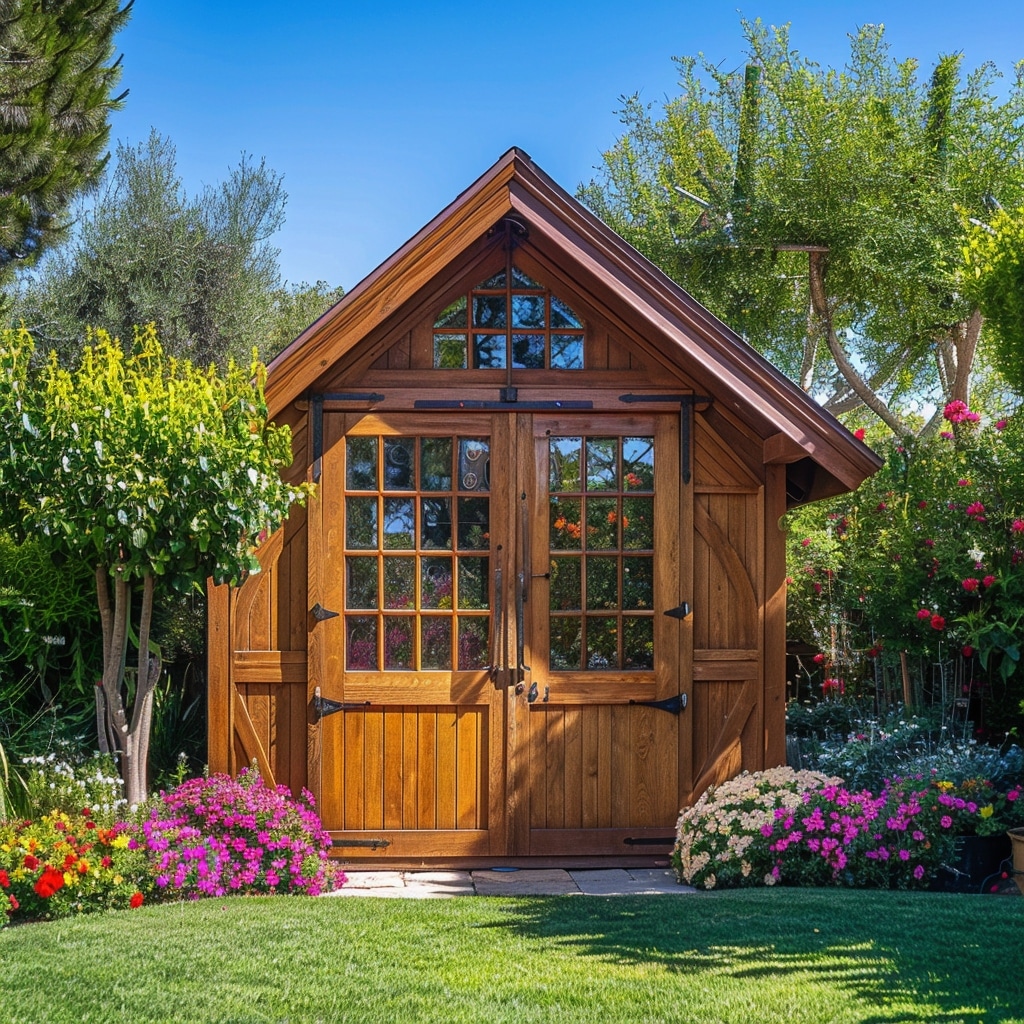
(503,322)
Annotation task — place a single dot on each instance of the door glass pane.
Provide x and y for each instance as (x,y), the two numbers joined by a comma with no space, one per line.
(435,642)
(435,583)
(566,532)
(361,463)
(566,644)
(399,582)
(361,643)
(399,523)
(474,464)
(638,643)
(436,464)
(602,643)
(602,463)
(474,582)
(527,351)
(562,315)
(603,583)
(602,524)
(566,351)
(361,582)
(528,311)
(489,311)
(473,653)
(489,351)
(450,352)
(399,453)
(638,583)
(564,463)
(566,593)
(638,523)
(638,463)
(437,523)
(398,642)
(361,523)
(474,526)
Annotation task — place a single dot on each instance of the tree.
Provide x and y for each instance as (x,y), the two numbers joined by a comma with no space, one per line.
(201,269)
(56,80)
(819,211)
(157,473)
(295,307)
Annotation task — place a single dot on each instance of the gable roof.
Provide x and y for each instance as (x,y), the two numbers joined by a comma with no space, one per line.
(796,430)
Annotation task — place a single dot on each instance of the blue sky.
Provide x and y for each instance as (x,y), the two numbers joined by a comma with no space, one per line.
(378,116)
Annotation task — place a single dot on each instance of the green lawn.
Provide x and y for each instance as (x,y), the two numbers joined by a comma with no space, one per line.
(756,956)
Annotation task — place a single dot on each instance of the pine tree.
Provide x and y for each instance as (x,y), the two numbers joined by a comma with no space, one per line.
(57,74)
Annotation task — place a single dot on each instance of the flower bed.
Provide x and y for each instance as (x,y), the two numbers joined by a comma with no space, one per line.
(800,828)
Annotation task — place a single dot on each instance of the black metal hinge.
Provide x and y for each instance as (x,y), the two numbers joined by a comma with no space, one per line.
(673,705)
(324,706)
(686,404)
(372,844)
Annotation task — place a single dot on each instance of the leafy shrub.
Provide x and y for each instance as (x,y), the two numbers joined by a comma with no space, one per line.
(58,781)
(217,836)
(68,863)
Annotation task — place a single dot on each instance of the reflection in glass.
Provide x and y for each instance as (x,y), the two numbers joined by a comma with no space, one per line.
(565,590)
(454,315)
(602,644)
(498,281)
(566,530)
(527,311)
(399,583)
(399,523)
(602,524)
(436,515)
(435,642)
(562,315)
(474,582)
(564,463)
(528,351)
(489,351)
(473,642)
(602,463)
(603,583)
(489,311)
(361,582)
(361,463)
(523,280)
(638,583)
(361,523)
(565,644)
(638,523)
(398,463)
(638,642)
(450,352)
(638,463)
(398,643)
(474,518)
(436,582)
(474,464)
(435,463)
(566,351)
(361,643)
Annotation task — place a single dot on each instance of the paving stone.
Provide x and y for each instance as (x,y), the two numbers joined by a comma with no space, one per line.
(660,880)
(374,880)
(530,882)
(434,884)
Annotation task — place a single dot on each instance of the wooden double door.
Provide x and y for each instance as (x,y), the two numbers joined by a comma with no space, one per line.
(489,637)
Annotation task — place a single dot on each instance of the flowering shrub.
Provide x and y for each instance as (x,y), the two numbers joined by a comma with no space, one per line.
(56,782)
(68,863)
(926,557)
(720,839)
(796,830)
(218,835)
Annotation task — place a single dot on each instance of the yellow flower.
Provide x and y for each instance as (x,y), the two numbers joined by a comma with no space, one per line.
(121,841)
(986,811)
(118,879)
(944,786)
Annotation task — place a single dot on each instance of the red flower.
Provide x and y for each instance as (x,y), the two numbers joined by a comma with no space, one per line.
(106,862)
(833,684)
(49,882)
(136,901)
(970,584)
(14,904)
(30,862)
(5,881)
(86,813)
(988,581)
(819,658)
(976,509)
(929,543)
(805,542)
(859,434)
(968,651)
(1017,526)
(923,613)
(817,588)
(938,622)
(922,504)
(963,482)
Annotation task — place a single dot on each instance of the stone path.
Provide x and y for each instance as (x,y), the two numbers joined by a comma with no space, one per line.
(519,882)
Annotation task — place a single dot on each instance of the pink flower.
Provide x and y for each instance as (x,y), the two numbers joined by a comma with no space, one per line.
(988,580)
(972,417)
(946,821)
(976,508)
(806,542)
(963,482)
(859,434)
(970,584)
(818,659)
(929,543)
(955,411)
(938,622)
(922,504)
(1017,526)
(817,588)
(919,872)
(1001,424)
(923,614)
(946,435)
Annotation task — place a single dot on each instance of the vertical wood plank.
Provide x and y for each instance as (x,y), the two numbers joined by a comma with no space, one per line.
(219,727)
(373,768)
(467,768)
(446,767)
(315,654)
(392,757)
(355,765)
(645,768)
(553,726)
(774,637)
(590,754)
(605,811)
(426,767)
(410,768)
(573,767)
(622,776)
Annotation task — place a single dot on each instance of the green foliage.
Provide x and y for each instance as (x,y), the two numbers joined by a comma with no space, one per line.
(61,781)
(733,180)
(994,278)
(926,558)
(200,268)
(294,309)
(56,78)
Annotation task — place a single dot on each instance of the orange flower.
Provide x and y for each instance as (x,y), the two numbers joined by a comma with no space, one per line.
(136,901)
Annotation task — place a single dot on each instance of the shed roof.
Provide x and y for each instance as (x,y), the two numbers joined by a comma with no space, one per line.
(823,456)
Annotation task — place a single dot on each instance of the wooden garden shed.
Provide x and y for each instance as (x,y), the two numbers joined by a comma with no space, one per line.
(538,602)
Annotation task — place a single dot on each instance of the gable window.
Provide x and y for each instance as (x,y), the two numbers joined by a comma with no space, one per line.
(509,320)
